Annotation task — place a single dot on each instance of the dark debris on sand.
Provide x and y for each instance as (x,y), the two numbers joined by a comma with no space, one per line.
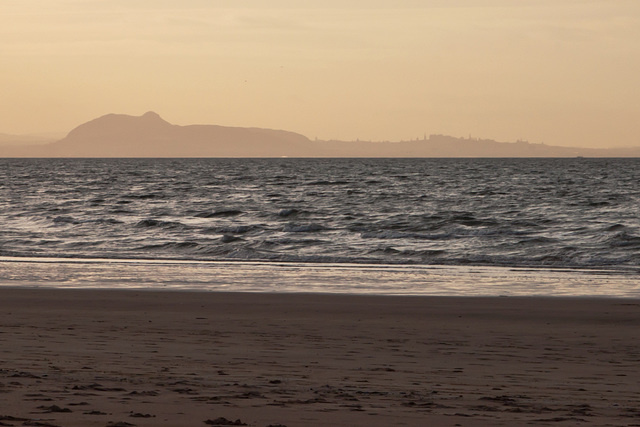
(141,415)
(24,421)
(10,418)
(53,408)
(39,424)
(222,421)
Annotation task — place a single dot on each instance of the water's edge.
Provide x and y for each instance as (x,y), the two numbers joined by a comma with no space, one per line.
(239,276)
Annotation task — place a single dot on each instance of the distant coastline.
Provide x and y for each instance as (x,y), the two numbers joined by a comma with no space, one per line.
(119,135)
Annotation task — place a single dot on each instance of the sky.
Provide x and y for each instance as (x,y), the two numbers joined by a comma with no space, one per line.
(562,72)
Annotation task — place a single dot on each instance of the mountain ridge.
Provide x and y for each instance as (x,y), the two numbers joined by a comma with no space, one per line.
(149,135)
(119,135)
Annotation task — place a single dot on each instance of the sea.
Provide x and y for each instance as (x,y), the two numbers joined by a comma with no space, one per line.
(477,227)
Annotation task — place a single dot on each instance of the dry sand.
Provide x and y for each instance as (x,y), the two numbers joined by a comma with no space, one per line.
(118,358)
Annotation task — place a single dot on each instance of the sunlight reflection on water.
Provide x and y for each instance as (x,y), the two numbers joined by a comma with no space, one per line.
(317,278)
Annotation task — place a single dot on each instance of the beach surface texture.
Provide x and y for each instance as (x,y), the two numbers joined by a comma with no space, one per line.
(120,358)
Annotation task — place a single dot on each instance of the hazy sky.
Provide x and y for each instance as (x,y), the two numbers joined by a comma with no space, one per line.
(561,72)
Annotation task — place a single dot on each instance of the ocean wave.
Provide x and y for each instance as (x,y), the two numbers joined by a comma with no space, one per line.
(392,235)
(171,246)
(598,203)
(143,196)
(155,223)
(455,233)
(623,239)
(413,253)
(304,228)
(238,229)
(62,220)
(219,213)
(82,244)
(273,242)
(536,240)
(470,220)
(615,227)
(328,182)
(120,211)
(288,212)
(108,221)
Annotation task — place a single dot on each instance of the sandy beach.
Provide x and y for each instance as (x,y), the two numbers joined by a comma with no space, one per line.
(122,358)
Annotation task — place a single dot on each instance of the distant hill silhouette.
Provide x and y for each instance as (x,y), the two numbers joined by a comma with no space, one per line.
(118,135)
(449,146)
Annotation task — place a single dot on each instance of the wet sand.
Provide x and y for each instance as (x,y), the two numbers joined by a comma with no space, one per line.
(121,358)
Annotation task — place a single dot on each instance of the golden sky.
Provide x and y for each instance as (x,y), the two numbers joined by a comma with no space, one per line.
(563,72)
